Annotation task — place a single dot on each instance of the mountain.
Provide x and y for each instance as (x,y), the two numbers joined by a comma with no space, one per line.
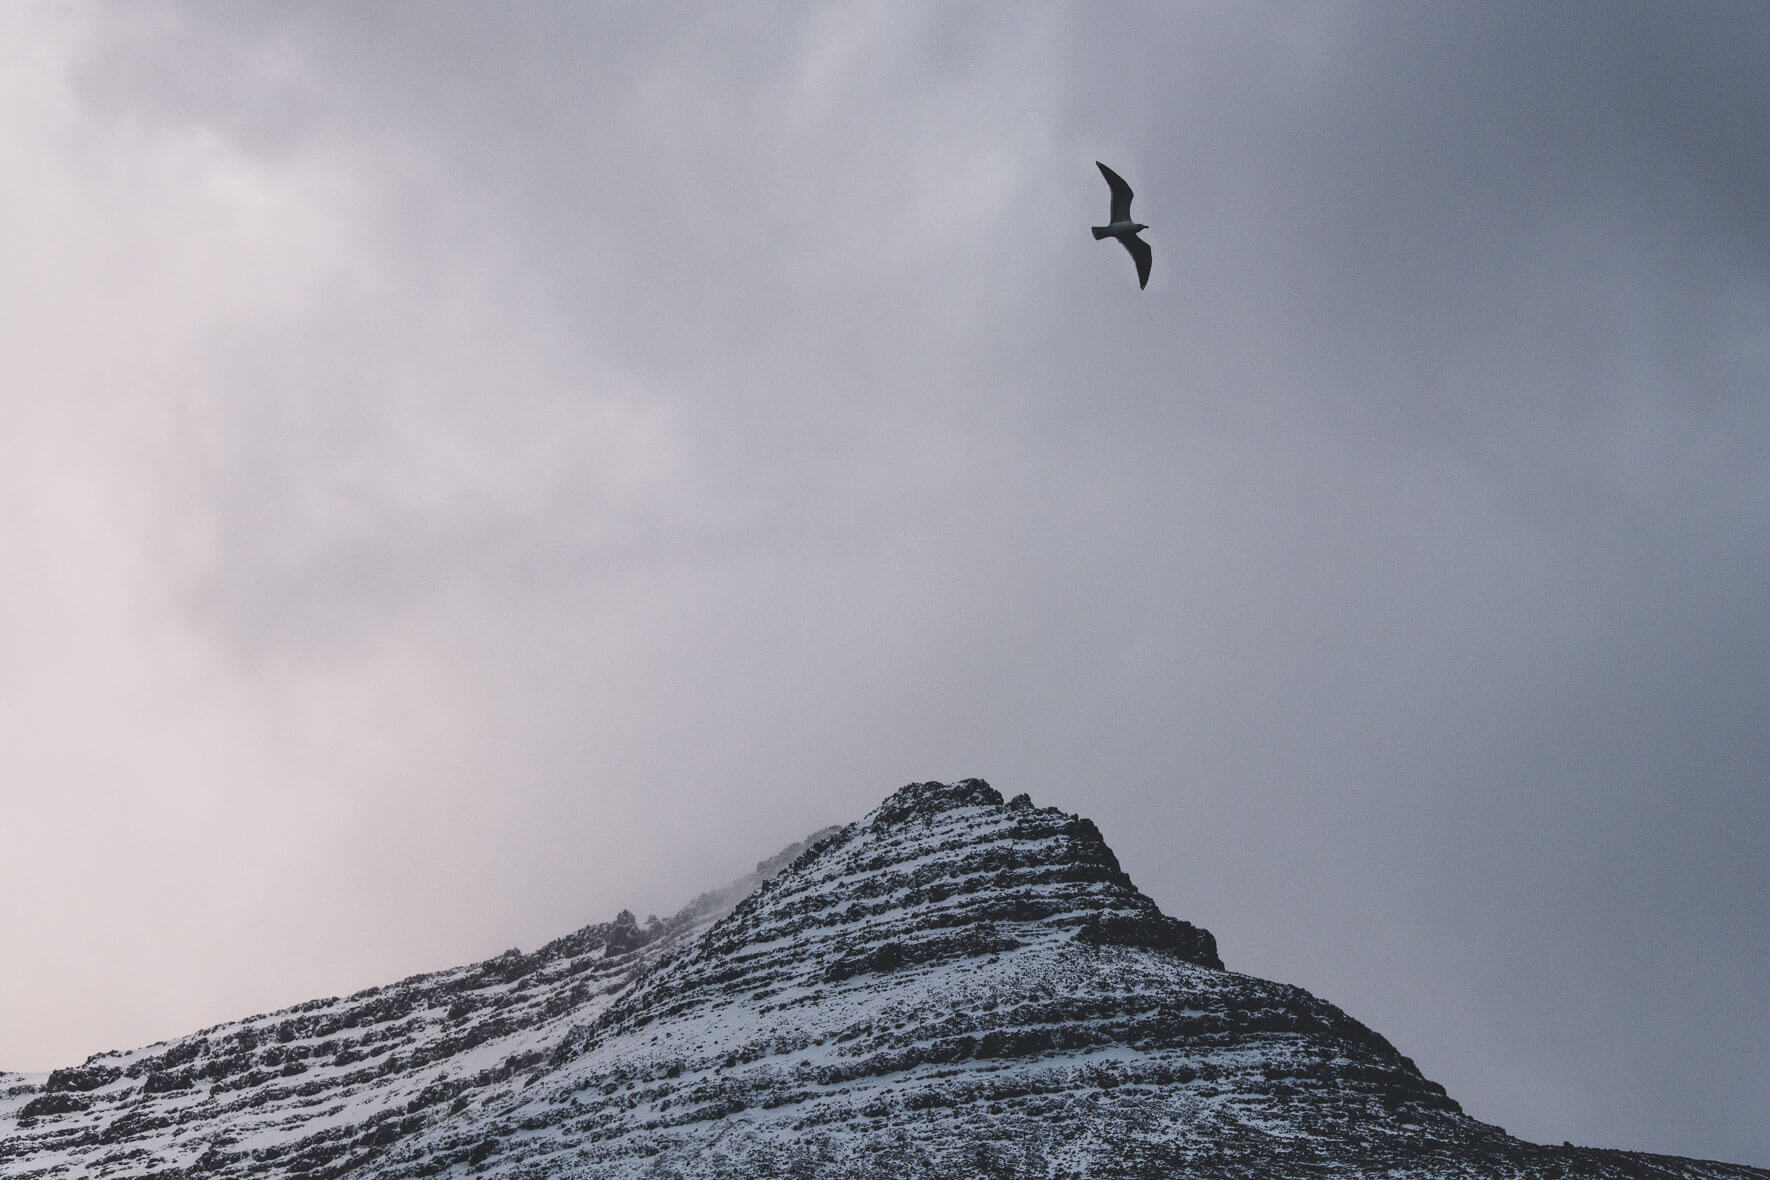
(953,986)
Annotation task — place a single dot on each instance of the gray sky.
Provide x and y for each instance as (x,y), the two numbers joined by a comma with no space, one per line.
(471,468)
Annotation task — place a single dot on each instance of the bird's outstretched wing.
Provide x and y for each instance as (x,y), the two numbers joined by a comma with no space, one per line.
(1140,255)
(1121,192)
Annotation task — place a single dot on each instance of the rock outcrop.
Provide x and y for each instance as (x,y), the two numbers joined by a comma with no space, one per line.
(952,986)
(329,1087)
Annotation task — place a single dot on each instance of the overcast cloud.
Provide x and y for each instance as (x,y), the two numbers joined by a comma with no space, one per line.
(472,468)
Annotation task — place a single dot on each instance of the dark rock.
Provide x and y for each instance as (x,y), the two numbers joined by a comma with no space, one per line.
(1156,932)
(81,1078)
(924,800)
(57,1103)
(167,1082)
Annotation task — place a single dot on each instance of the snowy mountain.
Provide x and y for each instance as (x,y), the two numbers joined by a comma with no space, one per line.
(953,986)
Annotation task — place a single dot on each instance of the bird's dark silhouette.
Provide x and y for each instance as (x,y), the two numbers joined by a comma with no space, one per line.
(1121,226)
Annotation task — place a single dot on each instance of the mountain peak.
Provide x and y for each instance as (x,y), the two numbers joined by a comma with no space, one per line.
(924,800)
(935,875)
(952,985)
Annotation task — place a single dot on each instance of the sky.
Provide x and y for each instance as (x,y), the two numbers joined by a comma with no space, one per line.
(472,468)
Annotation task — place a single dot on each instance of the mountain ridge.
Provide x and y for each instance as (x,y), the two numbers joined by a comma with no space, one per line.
(954,984)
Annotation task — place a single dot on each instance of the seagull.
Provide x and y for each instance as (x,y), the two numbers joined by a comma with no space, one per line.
(1122,227)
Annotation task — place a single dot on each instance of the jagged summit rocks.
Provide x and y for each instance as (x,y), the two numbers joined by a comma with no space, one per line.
(937,875)
(952,986)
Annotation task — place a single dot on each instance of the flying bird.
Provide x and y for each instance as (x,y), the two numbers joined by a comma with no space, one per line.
(1121,226)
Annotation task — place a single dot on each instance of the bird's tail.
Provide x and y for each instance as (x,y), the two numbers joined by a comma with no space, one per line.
(1100,231)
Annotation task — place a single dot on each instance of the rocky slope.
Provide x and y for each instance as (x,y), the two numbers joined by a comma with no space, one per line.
(328,1087)
(952,986)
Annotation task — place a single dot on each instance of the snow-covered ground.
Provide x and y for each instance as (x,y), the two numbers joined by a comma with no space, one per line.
(953,986)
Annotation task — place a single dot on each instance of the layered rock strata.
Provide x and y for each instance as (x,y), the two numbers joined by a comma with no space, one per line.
(328,1087)
(953,986)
